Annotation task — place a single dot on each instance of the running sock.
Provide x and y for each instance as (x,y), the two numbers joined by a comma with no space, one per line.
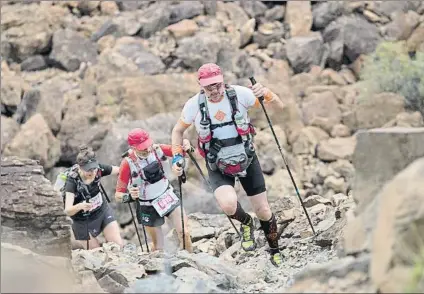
(241,215)
(270,229)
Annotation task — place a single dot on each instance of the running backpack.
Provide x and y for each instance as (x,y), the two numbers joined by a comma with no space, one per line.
(61,178)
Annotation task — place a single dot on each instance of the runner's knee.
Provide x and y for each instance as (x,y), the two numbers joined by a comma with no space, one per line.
(227,199)
(263,212)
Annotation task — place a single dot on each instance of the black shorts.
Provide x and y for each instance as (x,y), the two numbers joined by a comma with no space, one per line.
(253,183)
(94,225)
(148,216)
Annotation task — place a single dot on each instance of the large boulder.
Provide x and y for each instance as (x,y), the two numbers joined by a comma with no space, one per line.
(377,110)
(398,234)
(140,97)
(32,213)
(397,147)
(349,37)
(305,51)
(201,48)
(25,271)
(380,154)
(36,141)
(70,49)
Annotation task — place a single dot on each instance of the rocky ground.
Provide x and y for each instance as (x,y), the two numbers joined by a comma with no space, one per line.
(77,72)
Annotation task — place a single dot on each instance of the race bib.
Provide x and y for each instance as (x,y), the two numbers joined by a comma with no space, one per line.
(96,201)
(165,203)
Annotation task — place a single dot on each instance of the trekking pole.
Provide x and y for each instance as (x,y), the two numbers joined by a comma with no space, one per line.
(87,214)
(145,238)
(136,228)
(253,81)
(182,179)
(210,186)
(104,192)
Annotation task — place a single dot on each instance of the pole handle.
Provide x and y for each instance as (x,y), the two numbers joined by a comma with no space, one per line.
(253,81)
(183,175)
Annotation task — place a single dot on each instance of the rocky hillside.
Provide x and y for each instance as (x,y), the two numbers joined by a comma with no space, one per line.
(78,72)
(373,248)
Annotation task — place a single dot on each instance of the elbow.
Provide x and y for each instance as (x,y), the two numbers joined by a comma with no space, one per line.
(68,212)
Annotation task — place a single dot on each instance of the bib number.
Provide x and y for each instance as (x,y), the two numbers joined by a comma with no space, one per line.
(96,201)
(165,203)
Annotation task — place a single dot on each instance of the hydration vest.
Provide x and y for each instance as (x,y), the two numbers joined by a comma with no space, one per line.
(231,156)
(151,174)
(81,188)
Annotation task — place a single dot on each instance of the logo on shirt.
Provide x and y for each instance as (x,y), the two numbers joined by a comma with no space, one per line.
(220,115)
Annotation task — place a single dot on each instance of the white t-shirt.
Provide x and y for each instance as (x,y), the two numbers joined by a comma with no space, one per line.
(219,112)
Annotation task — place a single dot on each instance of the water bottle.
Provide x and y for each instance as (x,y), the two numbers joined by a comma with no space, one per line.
(241,125)
(205,134)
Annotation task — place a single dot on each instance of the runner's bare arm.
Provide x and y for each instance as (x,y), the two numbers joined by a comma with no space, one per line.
(115,170)
(177,137)
(270,97)
(71,209)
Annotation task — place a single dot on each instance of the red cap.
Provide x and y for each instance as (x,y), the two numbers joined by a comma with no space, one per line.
(209,74)
(139,139)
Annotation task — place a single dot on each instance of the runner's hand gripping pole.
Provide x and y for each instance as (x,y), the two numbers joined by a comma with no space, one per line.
(182,179)
(209,184)
(261,99)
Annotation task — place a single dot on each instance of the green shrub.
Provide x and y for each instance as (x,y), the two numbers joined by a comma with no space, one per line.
(390,69)
(417,280)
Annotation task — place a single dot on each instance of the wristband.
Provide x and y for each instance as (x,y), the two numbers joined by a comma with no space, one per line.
(177,149)
(269,96)
(176,158)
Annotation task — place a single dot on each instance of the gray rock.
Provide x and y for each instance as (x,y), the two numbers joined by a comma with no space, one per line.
(36,221)
(146,61)
(275,13)
(185,10)
(70,49)
(376,166)
(125,5)
(199,49)
(388,7)
(34,63)
(264,37)
(107,28)
(325,12)
(254,8)
(155,18)
(28,105)
(352,33)
(303,52)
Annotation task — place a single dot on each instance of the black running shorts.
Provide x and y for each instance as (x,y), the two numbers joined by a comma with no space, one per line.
(148,216)
(253,183)
(94,225)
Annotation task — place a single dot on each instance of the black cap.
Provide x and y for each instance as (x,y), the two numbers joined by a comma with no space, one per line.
(91,164)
